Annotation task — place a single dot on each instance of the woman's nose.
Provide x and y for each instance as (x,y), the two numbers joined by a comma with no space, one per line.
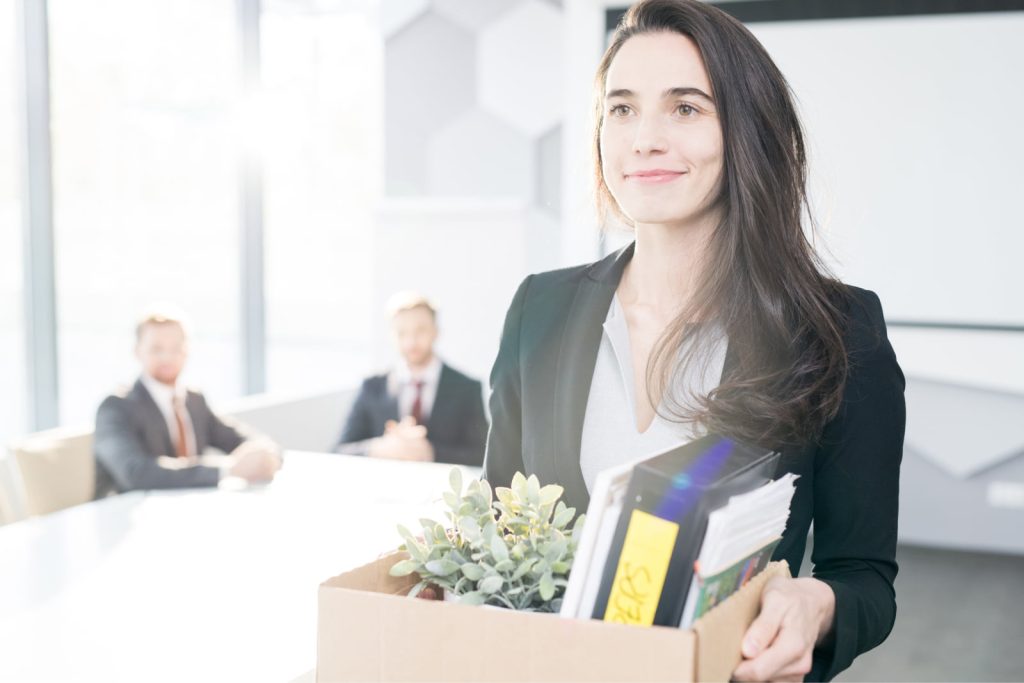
(650,136)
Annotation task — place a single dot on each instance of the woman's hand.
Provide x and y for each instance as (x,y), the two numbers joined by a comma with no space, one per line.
(795,615)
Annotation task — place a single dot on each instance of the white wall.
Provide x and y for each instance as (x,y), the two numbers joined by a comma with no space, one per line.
(916,136)
(469,255)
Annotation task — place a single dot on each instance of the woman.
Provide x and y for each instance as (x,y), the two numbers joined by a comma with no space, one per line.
(718,318)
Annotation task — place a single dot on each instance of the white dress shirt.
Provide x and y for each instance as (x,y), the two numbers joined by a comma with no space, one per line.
(164,397)
(402,384)
(610,435)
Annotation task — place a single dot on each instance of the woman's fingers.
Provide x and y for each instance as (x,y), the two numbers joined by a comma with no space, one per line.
(763,630)
(783,658)
(779,643)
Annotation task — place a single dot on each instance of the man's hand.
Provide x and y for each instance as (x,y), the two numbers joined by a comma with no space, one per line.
(254,464)
(795,615)
(403,440)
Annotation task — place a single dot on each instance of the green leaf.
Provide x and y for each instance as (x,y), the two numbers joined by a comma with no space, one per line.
(451,500)
(492,584)
(504,495)
(550,493)
(498,548)
(406,534)
(469,528)
(455,479)
(563,517)
(519,485)
(547,586)
(473,598)
(473,572)
(416,551)
(523,568)
(533,490)
(505,566)
(441,567)
(404,568)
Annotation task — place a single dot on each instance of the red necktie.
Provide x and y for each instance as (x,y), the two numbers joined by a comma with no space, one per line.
(182,445)
(417,403)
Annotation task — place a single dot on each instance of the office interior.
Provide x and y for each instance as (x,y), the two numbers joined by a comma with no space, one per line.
(278,169)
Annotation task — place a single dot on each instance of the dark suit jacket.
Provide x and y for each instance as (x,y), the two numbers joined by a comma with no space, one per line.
(848,482)
(456,426)
(131,433)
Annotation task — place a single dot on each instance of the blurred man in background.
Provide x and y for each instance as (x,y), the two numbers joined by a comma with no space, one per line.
(152,435)
(423,409)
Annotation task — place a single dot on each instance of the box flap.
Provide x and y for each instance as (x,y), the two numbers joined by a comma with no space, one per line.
(374,576)
(720,631)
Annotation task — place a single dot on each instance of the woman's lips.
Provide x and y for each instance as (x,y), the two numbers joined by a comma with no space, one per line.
(654,177)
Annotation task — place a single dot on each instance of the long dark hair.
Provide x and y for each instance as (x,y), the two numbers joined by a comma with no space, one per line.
(762,283)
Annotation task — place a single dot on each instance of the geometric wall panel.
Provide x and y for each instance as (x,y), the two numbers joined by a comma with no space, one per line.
(520,75)
(478,155)
(472,14)
(430,69)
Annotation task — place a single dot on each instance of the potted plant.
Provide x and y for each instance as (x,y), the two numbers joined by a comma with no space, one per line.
(513,552)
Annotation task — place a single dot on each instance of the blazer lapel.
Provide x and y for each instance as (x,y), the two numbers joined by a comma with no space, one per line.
(154,419)
(440,399)
(577,355)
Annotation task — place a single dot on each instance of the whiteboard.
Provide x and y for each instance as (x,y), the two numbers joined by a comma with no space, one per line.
(915,128)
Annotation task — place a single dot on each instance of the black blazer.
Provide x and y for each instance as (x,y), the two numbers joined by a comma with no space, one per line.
(849,479)
(131,433)
(456,426)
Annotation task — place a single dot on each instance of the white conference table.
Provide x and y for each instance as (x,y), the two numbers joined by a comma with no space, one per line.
(200,584)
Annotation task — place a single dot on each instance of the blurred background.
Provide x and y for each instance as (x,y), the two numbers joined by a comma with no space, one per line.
(279,168)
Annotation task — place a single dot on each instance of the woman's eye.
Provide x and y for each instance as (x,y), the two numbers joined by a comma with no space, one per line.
(686,110)
(619,110)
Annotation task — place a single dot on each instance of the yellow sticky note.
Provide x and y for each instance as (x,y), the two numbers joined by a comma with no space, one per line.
(643,565)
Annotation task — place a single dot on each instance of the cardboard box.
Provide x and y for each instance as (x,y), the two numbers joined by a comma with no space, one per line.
(368,630)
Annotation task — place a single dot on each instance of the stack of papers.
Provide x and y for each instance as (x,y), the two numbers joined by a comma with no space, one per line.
(738,543)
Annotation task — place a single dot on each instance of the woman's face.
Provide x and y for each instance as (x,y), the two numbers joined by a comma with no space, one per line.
(661,142)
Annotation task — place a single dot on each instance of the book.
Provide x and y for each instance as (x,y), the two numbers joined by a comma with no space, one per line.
(595,542)
(649,565)
(707,591)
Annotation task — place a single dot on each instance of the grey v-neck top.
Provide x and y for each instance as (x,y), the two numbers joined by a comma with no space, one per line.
(610,435)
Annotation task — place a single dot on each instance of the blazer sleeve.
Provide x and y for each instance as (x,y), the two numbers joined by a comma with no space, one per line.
(223,435)
(856,493)
(120,449)
(468,448)
(504,453)
(358,428)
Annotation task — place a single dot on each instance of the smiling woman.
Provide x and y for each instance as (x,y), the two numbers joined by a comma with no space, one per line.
(654,133)
(718,318)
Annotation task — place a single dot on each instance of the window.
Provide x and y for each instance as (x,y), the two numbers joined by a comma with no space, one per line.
(12,356)
(144,104)
(322,131)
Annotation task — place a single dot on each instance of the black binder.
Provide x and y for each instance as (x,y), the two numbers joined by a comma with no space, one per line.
(684,485)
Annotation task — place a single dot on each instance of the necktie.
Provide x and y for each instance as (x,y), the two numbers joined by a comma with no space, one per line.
(417,403)
(179,417)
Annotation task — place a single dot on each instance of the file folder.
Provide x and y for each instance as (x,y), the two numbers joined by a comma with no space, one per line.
(659,533)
